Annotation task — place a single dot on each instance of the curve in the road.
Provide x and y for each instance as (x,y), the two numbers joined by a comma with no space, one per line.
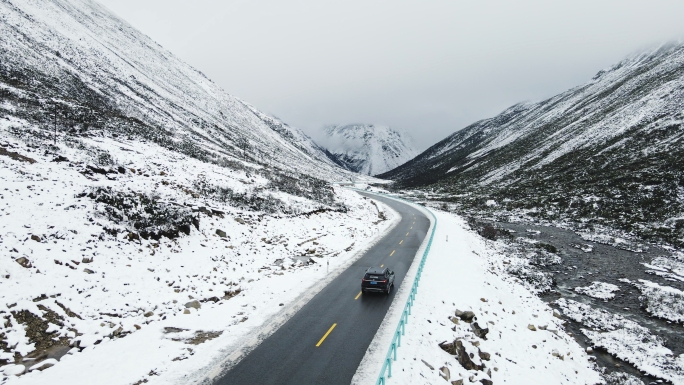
(325,341)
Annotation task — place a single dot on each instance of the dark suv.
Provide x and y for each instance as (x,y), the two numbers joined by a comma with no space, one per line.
(380,279)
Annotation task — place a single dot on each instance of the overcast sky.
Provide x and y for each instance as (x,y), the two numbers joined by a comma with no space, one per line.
(426,67)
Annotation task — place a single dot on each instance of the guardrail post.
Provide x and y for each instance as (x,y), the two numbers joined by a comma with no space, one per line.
(389,368)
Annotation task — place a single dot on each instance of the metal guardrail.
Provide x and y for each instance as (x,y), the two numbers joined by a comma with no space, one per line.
(396,340)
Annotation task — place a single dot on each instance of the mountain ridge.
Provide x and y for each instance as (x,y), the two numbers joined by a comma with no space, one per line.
(368,149)
(616,138)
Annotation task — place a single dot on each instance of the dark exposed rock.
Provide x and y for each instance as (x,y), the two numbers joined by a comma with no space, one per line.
(36,238)
(467,316)
(24,262)
(88,271)
(484,355)
(221,233)
(485,381)
(480,332)
(463,358)
(16,156)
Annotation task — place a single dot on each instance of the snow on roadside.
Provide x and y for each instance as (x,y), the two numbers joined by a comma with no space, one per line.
(83,293)
(521,339)
(599,290)
(626,340)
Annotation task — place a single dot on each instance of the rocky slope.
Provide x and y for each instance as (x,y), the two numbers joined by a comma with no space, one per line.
(604,154)
(366,148)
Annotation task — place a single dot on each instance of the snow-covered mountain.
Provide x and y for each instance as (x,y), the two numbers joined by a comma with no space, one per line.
(122,167)
(75,62)
(605,153)
(367,148)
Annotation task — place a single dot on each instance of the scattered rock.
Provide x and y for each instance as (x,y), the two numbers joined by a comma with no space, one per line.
(193,304)
(484,355)
(239,220)
(137,327)
(485,381)
(457,382)
(221,233)
(480,332)
(24,262)
(463,358)
(60,158)
(466,316)
(555,353)
(89,271)
(428,365)
(531,327)
(445,373)
(87,260)
(483,300)
(186,311)
(202,336)
(149,314)
(590,350)
(36,238)
(454,320)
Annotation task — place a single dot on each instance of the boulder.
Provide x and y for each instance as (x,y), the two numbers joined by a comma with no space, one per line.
(463,357)
(35,238)
(531,327)
(484,355)
(193,304)
(221,233)
(24,262)
(457,382)
(88,271)
(485,381)
(87,260)
(148,314)
(445,373)
(467,316)
(480,332)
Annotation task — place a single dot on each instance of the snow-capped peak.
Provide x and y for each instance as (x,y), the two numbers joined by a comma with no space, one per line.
(368,148)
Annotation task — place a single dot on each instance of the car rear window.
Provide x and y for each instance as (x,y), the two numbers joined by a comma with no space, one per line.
(374,276)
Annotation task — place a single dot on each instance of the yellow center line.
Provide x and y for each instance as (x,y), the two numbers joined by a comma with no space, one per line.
(392,253)
(406,234)
(355,298)
(326,335)
(411,228)
(402,241)
(383,265)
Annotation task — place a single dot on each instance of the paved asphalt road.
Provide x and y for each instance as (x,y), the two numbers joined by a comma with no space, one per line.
(291,355)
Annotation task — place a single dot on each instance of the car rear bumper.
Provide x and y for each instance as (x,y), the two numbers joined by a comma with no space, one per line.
(377,288)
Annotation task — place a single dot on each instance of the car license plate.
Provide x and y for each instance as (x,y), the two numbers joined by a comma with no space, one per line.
(374,283)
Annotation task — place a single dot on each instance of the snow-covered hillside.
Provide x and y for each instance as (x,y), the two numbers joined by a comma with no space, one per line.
(75,65)
(367,148)
(605,153)
(137,195)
